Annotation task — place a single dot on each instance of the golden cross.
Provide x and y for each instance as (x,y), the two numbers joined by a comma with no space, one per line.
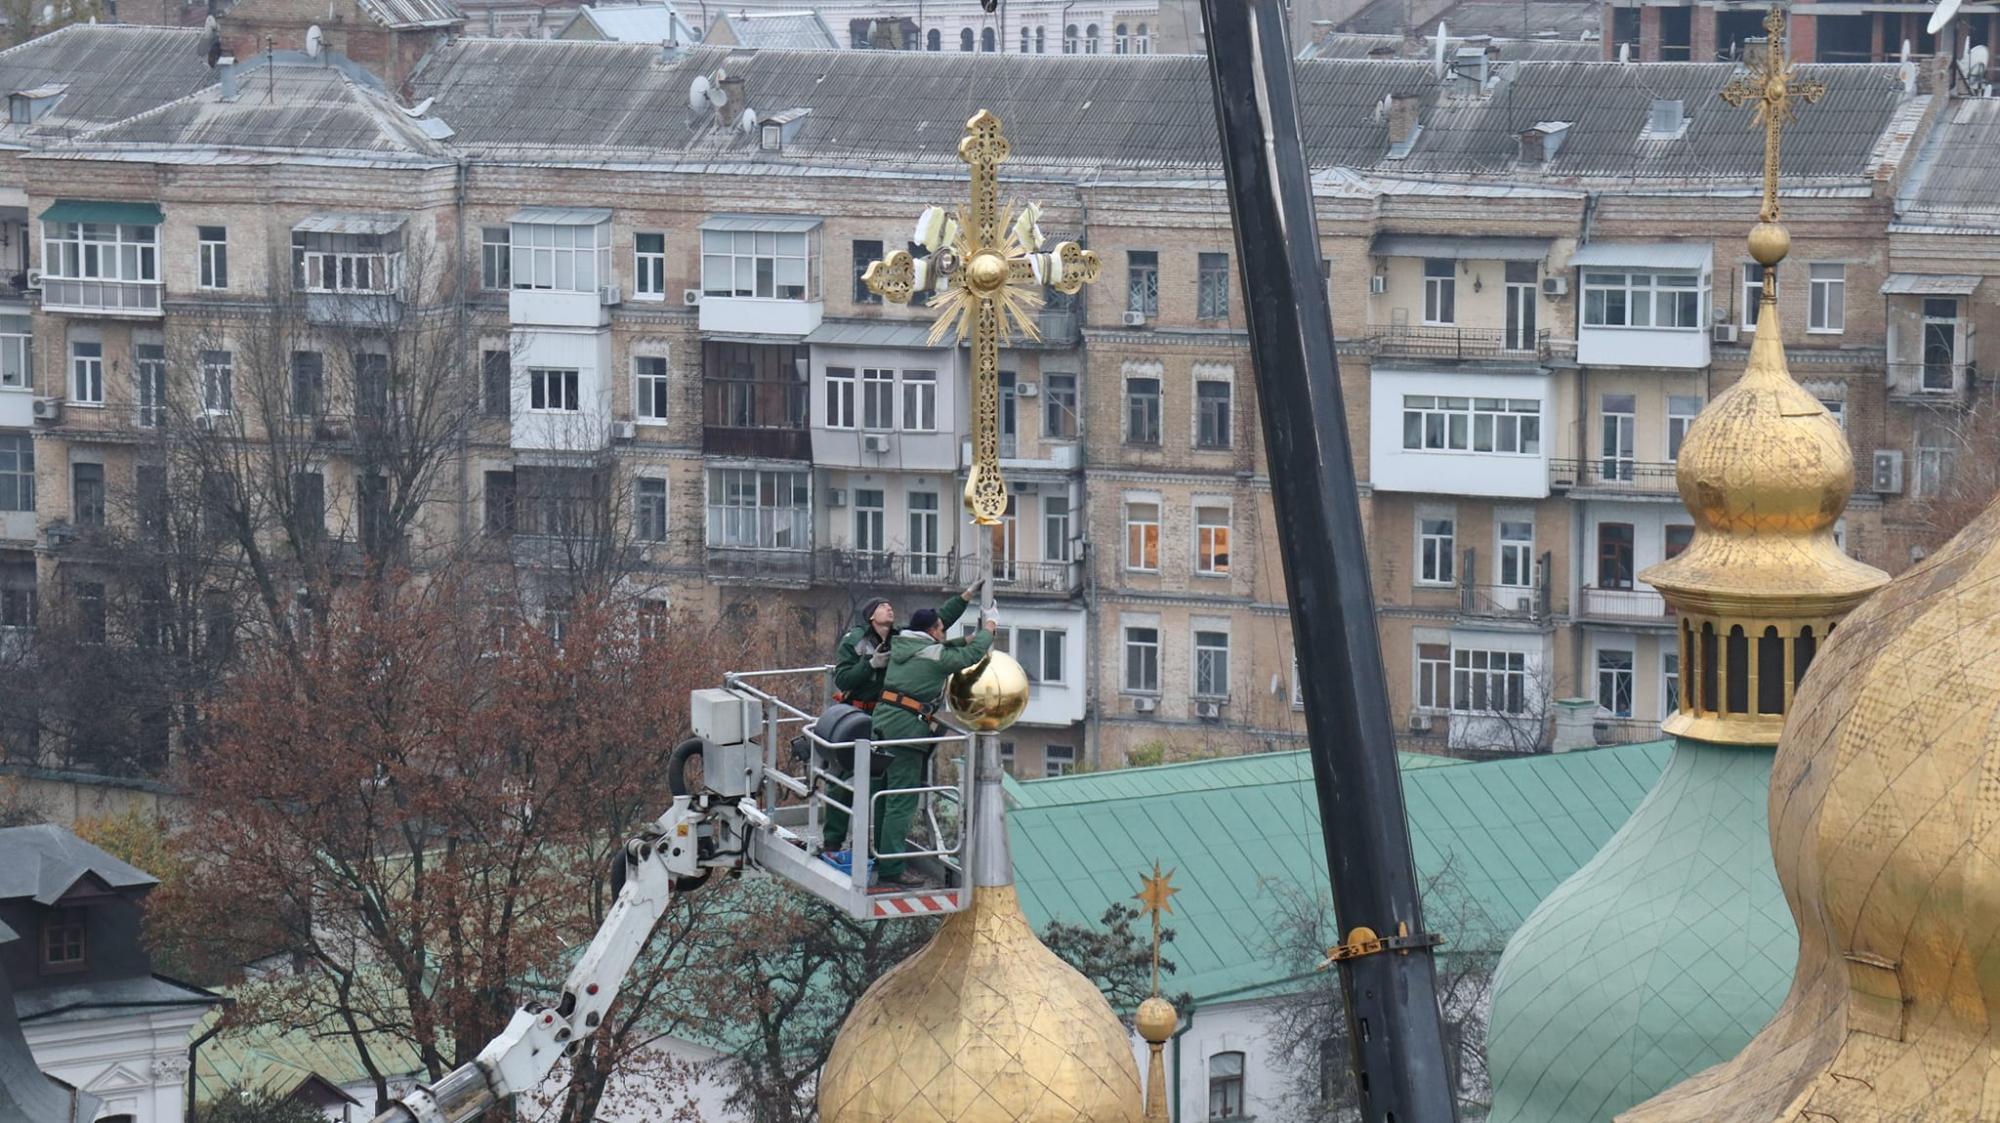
(1771,84)
(1155,897)
(983,277)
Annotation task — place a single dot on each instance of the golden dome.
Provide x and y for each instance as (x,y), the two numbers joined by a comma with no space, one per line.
(985,1025)
(990,695)
(1884,827)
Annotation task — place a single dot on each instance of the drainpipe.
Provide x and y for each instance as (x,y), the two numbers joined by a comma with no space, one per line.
(194,1047)
(458,265)
(1187,1023)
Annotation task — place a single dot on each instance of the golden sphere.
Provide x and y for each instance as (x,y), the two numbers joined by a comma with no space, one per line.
(986,272)
(1157,1019)
(1769,243)
(989,695)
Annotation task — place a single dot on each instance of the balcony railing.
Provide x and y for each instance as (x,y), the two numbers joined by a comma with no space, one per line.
(752,564)
(116,298)
(1637,476)
(1506,602)
(1428,341)
(745,417)
(1933,381)
(1638,606)
(932,571)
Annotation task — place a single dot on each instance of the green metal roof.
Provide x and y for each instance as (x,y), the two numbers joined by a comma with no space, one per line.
(111,213)
(266,1058)
(1509,830)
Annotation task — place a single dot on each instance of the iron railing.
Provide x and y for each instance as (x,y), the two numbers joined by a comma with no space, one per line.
(1010,578)
(1635,605)
(1435,341)
(1616,473)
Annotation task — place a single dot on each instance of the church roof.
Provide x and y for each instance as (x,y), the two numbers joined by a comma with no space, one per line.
(1496,835)
(42,862)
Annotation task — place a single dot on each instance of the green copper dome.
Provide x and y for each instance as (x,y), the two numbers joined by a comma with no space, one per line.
(1660,957)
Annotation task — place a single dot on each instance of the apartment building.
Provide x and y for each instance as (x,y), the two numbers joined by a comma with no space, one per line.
(1816,30)
(1536,282)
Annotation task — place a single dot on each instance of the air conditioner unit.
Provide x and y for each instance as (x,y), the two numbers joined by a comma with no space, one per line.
(1026,389)
(1377,285)
(836,497)
(1135,319)
(690,297)
(625,430)
(1555,286)
(1725,333)
(1420,722)
(1888,474)
(1145,705)
(1524,605)
(875,442)
(34,278)
(609,295)
(205,422)
(48,410)
(1208,711)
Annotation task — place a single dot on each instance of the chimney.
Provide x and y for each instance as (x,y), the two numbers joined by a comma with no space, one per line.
(731,110)
(225,73)
(1403,123)
(1576,724)
(1540,143)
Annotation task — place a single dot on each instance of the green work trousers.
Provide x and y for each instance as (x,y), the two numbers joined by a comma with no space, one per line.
(892,829)
(834,824)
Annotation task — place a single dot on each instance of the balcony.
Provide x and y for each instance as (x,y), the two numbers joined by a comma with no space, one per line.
(377,310)
(1930,383)
(750,565)
(1058,580)
(755,418)
(1625,477)
(559,309)
(95,297)
(1423,341)
(1642,607)
(1504,602)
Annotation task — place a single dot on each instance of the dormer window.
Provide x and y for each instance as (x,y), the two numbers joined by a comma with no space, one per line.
(25,107)
(64,947)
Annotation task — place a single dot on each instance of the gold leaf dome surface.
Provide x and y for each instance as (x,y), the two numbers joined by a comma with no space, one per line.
(984,1025)
(1885,827)
(990,695)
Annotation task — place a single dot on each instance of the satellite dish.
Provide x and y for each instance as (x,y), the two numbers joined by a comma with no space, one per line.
(419,109)
(1976,61)
(748,122)
(698,93)
(48,13)
(1437,52)
(209,25)
(1945,10)
(1624,52)
(314,41)
(1905,56)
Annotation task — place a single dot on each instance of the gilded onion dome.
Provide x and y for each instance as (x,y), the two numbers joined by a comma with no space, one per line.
(1765,471)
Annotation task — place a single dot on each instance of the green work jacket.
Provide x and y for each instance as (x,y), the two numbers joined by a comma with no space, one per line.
(919,667)
(853,677)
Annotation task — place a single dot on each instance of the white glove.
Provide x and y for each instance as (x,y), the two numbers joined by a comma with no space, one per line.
(879,660)
(990,616)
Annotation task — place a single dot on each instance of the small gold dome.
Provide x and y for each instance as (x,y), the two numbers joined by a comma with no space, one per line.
(1769,243)
(985,1025)
(991,694)
(1157,1019)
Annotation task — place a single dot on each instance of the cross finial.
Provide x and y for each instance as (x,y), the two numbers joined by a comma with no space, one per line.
(1776,91)
(985,280)
(1155,897)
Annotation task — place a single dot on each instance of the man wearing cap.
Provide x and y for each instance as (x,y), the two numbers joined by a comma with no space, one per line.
(920,663)
(858,666)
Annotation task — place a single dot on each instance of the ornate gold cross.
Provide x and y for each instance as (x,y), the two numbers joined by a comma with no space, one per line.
(982,277)
(1771,84)
(1156,897)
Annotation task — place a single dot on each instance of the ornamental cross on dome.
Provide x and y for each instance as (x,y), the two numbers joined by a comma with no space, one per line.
(1776,91)
(984,277)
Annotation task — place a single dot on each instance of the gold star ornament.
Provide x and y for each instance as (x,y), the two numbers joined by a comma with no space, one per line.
(1156,892)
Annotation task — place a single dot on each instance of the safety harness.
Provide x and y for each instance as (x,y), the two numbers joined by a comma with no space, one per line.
(925,710)
(863,704)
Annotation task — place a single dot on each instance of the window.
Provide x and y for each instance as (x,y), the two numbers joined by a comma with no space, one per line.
(988,42)
(649,266)
(1039,651)
(1143,42)
(86,364)
(493,258)
(63,942)
(371,384)
(561,257)
(1211,412)
(965,39)
(213,244)
(1142,411)
(1679,537)
(496,370)
(1826,308)
(308,377)
(1090,39)
(1211,664)
(1940,344)
(1070,38)
(1489,682)
(1059,406)
(150,494)
(920,401)
(649,396)
(649,503)
(1225,1086)
(1026,41)
(1005,540)
(933,40)
(100,251)
(1620,429)
(866,253)
(1753,294)
(1614,682)
(1517,553)
(840,397)
(371,502)
(1445,424)
(1058,760)
(309,502)
(1142,537)
(923,543)
(17,472)
(17,597)
(149,376)
(1121,39)
(1211,541)
(1670,682)
(218,381)
(499,502)
(87,494)
(1435,536)
(1936,449)
(1440,290)
(1642,300)
(1055,528)
(869,535)
(1614,555)
(553,391)
(1433,676)
(1142,660)
(90,610)
(753,508)
(1142,282)
(17,351)
(1681,412)
(878,398)
(346,263)
(1212,288)
(1836,408)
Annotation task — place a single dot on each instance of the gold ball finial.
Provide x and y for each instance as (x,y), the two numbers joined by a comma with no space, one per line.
(991,694)
(1157,1019)
(987,272)
(1769,243)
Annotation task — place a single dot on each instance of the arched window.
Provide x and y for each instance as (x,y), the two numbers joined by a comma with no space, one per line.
(1121,40)
(1225,1086)
(987,41)
(1142,43)
(1090,40)
(965,39)
(1026,39)
(1711,702)
(1069,40)
(1803,650)
(1770,672)
(1041,41)
(934,40)
(1687,669)
(1736,675)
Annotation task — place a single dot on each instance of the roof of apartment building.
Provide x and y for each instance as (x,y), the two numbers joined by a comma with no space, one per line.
(632,23)
(1950,189)
(106,73)
(1569,19)
(1491,839)
(1340,44)
(801,30)
(411,15)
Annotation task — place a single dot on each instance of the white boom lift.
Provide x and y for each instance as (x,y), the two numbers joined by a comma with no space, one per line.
(750,813)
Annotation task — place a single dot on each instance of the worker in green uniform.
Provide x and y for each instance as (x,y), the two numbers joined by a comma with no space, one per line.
(920,663)
(858,666)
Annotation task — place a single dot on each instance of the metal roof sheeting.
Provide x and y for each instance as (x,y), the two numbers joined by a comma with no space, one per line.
(42,863)
(871,333)
(563,216)
(794,31)
(1929,284)
(403,15)
(296,107)
(1649,255)
(109,213)
(350,224)
(112,71)
(1463,248)
(762,223)
(637,23)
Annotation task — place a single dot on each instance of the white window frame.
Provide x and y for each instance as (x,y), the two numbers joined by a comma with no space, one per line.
(640,498)
(86,372)
(1670,681)
(1477,671)
(757,265)
(1437,550)
(17,353)
(1611,678)
(101,251)
(1639,296)
(1449,423)
(650,390)
(841,383)
(649,267)
(1753,294)
(1129,646)
(1206,541)
(149,384)
(925,531)
(1826,298)
(759,508)
(1441,292)
(1521,551)
(920,392)
(559,257)
(1041,638)
(1058,760)
(1431,684)
(1934,461)
(557,389)
(1056,529)
(1206,377)
(365,264)
(871,521)
(878,399)
(1837,409)
(496,258)
(1203,656)
(212,259)
(1679,421)
(1133,502)
(218,383)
